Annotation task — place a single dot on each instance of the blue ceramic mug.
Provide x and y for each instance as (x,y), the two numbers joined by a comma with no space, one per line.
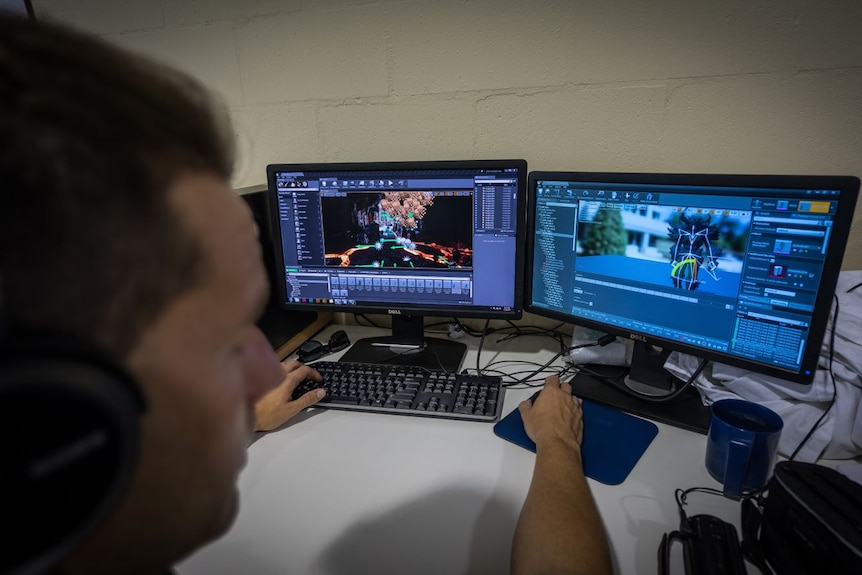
(741,445)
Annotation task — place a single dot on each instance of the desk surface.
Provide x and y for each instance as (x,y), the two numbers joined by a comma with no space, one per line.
(336,492)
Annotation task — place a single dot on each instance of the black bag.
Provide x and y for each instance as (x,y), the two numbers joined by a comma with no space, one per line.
(808,519)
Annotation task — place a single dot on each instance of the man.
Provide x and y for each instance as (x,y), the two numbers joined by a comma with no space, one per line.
(118,226)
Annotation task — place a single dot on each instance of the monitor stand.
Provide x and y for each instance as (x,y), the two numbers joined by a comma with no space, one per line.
(408,346)
(647,376)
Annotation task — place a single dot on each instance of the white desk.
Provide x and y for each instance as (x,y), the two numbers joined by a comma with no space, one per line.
(336,492)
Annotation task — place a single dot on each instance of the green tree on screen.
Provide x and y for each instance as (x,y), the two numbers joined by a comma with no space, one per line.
(606,235)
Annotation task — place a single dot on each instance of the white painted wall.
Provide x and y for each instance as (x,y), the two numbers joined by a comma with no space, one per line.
(660,85)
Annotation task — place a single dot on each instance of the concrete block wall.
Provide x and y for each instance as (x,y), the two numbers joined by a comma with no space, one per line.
(661,85)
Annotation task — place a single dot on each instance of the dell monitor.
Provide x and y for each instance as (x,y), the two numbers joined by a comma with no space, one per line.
(738,269)
(407,239)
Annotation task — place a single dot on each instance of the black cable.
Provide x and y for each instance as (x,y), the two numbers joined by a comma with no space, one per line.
(519,330)
(831,375)
(602,341)
(370,323)
(556,336)
(2,309)
(496,366)
(481,345)
(514,326)
(544,366)
(439,361)
(535,330)
(471,331)
(653,398)
(519,381)
(549,332)
(681,494)
(854,288)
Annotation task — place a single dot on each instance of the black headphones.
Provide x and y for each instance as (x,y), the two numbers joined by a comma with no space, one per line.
(69,416)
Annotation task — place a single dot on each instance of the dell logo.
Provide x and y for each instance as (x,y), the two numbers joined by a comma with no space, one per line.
(393,311)
(637,337)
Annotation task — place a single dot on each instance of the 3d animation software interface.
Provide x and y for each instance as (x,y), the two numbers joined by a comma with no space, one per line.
(422,238)
(730,270)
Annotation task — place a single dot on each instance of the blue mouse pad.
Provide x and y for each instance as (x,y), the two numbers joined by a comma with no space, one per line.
(613,441)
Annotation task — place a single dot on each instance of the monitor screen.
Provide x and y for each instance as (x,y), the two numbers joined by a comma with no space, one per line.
(408,239)
(732,268)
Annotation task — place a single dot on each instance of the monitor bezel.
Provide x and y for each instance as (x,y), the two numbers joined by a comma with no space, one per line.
(849,187)
(400,310)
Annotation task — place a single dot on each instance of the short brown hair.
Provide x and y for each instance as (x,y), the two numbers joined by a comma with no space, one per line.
(91,138)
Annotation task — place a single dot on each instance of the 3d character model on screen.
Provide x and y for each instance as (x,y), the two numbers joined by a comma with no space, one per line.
(693,249)
(399,229)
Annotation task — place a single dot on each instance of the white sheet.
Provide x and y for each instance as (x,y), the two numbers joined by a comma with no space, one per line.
(839,436)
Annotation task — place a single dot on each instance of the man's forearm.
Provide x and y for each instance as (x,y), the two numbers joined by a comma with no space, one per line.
(560,529)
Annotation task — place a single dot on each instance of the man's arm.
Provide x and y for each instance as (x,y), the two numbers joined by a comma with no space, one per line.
(560,529)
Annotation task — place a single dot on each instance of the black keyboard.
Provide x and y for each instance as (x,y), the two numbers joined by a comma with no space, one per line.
(406,390)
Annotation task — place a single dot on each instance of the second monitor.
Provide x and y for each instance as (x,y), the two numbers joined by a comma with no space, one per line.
(408,239)
(739,269)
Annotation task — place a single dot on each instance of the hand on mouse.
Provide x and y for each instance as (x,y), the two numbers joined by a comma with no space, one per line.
(555,414)
(276,407)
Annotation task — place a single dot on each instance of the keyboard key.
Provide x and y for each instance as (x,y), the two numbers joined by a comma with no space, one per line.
(340,400)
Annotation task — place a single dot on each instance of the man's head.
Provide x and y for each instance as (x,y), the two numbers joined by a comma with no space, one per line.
(118,226)
(92,137)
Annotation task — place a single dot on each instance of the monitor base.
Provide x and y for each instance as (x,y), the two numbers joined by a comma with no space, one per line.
(686,411)
(435,355)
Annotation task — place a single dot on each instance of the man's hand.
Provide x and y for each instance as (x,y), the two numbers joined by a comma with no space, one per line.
(555,414)
(276,407)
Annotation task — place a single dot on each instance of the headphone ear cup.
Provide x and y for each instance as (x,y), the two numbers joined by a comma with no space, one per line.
(68,442)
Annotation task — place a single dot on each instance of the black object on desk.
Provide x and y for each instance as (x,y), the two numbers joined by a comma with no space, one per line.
(613,441)
(313,349)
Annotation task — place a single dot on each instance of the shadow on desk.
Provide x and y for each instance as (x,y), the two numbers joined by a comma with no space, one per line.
(420,538)
(646,533)
(304,415)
